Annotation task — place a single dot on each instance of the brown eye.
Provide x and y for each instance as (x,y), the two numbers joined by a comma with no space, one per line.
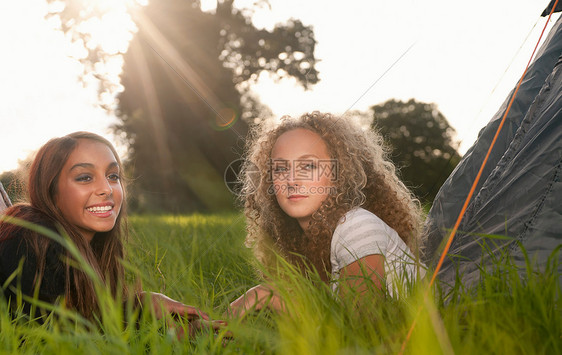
(83,178)
(114,177)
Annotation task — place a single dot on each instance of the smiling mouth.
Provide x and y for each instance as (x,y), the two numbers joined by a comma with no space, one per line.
(99,209)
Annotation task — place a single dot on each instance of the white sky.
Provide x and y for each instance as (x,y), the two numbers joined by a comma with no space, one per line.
(460,52)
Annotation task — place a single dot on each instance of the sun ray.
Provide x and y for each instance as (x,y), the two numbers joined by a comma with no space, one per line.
(163,48)
(153,105)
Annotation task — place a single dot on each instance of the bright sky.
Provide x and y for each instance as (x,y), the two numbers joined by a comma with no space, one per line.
(459,54)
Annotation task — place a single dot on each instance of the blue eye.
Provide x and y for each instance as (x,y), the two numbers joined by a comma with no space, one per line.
(280,169)
(307,166)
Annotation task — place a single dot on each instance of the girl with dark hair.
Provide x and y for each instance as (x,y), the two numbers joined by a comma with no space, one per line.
(319,191)
(75,188)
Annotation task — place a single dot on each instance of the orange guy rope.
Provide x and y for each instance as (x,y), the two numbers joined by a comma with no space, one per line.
(471,192)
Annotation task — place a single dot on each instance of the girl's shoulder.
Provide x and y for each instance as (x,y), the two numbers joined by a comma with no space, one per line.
(359,216)
(27,213)
(360,226)
(358,234)
(17,242)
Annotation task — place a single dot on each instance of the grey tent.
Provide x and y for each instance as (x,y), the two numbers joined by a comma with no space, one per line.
(4,199)
(519,194)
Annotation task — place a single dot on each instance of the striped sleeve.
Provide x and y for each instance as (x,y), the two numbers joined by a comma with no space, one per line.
(360,234)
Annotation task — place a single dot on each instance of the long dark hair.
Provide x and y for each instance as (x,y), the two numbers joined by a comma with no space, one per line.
(104,253)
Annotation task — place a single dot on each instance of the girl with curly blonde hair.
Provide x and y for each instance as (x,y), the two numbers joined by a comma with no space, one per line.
(319,191)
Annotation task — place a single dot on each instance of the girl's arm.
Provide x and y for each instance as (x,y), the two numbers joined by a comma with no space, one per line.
(357,275)
(198,320)
(256,298)
(162,304)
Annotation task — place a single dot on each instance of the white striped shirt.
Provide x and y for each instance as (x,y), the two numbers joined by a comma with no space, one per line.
(361,233)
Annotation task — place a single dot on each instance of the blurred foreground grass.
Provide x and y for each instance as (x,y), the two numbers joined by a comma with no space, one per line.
(201,260)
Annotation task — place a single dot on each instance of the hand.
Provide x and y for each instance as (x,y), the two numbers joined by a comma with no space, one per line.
(199,325)
(180,328)
(254,299)
(202,324)
(162,304)
(198,320)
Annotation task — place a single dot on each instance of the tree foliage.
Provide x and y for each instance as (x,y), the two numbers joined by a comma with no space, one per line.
(185,79)
(422,143)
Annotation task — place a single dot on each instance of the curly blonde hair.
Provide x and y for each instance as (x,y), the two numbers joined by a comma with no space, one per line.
(365,177)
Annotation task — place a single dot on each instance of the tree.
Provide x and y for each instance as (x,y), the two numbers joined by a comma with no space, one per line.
(185,79)
(422,143)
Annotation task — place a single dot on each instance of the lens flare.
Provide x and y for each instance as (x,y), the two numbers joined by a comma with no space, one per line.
(225,118)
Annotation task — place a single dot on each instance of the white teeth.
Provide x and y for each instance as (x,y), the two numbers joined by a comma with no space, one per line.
(100,209)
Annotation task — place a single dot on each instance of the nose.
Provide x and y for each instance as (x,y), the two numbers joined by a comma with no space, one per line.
(104,188)
(292,178)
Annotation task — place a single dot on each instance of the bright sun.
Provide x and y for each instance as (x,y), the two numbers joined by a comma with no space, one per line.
(107,25)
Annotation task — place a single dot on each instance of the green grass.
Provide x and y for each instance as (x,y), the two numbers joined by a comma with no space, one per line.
(201,260)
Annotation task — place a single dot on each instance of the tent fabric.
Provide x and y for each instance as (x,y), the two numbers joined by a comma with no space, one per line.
(558,8)
(4,199)
(519,194)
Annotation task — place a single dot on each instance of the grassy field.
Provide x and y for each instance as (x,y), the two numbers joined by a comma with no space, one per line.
(201,260)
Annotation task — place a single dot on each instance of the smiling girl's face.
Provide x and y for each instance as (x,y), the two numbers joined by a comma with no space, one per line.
(302,173)
(89,191)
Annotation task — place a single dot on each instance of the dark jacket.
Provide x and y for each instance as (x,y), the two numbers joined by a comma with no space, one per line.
(15,250)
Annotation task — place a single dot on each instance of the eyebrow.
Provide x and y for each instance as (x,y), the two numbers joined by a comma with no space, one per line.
(299,158)
(308,156)
(90,165)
